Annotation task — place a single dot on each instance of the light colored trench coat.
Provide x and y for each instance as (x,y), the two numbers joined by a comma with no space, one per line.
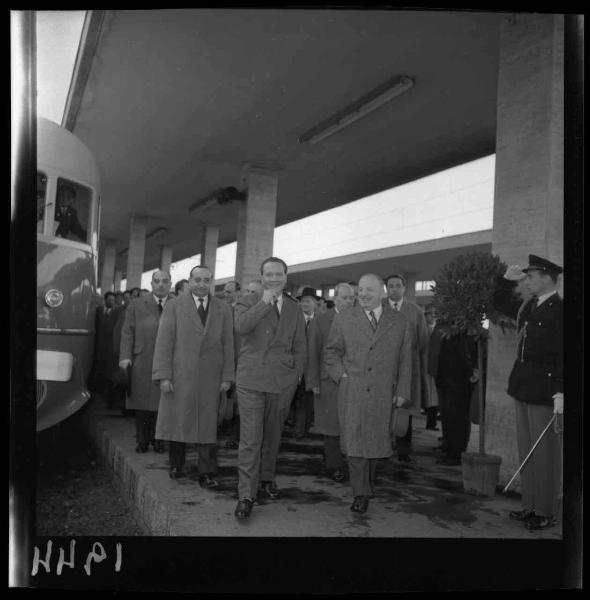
(196,359)
(138,338)
(325,404)
(379,366)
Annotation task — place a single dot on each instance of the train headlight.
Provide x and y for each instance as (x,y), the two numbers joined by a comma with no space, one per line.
(53,298)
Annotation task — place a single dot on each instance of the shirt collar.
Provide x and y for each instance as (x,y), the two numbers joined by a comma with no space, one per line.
(205,300)
(399,303)
(158,299)
(376,311)
(544,297)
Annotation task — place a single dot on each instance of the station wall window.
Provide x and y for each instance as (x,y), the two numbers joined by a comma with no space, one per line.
(424,286)
(73,211)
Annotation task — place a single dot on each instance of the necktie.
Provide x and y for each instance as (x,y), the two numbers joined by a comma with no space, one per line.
(395,306)
(373,320)
(275,304)
(307,320)
(160,307)
(201,311)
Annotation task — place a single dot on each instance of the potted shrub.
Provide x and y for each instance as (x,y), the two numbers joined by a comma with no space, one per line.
(462,296)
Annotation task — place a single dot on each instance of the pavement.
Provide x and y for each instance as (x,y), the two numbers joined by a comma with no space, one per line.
(418,500)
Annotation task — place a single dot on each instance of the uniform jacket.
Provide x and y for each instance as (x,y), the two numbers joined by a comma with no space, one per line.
(379,366)
(316,375)
(537,373)
(273,350)
(69,223)
(196,359)
(138,338)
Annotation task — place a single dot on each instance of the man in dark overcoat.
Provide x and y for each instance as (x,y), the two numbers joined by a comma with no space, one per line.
(103,354)
(138,339)
(369,356)
(193,363)
(271,363)
(536,384)
(324,389)
(452,362)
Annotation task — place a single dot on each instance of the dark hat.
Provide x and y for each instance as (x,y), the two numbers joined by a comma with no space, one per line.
(308,291)
(536,263)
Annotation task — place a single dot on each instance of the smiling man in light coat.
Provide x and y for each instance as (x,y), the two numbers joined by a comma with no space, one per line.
(369,356)
(193,361)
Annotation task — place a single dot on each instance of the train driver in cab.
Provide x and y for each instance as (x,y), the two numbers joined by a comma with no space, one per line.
(66,216)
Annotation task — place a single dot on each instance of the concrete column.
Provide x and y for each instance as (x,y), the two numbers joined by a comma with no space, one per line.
(165,258)
(108,269)
(209,242)
(118,278)
(528,201)
(256,223)
(135,254)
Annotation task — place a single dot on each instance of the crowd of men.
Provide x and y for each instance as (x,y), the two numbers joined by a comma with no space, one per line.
(355,369)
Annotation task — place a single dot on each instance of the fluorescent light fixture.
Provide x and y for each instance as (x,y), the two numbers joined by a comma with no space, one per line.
(355,111)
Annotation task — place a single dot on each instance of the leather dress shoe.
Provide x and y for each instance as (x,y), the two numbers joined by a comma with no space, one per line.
(337,475)
(141,448)
(207,481)
(176,473)
(270,490)
(360,504)
(521,515)
(434,428)
(158,446)
(405,458)
(244,508)
(538,522)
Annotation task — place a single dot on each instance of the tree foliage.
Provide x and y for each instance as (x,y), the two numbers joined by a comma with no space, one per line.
(463,293)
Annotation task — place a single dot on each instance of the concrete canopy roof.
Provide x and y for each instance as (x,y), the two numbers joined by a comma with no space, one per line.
(176,102)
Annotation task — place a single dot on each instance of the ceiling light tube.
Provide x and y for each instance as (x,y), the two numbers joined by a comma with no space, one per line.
(367,104)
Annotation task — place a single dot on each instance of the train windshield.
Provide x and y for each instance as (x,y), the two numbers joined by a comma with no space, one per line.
(66,212)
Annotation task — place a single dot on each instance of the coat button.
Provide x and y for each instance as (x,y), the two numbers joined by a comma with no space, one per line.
(370,369)
(368,389)
(370,347)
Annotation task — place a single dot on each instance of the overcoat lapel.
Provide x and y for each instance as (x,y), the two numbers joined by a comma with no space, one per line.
(212,312)
(151,305)
(190,309)
(364,325)
(385,323)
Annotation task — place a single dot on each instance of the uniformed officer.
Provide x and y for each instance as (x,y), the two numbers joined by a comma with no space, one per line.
(536,383)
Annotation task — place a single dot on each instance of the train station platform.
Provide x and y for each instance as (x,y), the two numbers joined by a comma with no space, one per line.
(418,500)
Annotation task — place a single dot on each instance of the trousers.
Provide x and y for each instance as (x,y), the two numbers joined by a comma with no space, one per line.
(362,475)
(262,415)
(207,454)
(145,426)
(540,479)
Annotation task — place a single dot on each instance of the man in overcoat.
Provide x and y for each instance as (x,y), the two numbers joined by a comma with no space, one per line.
(369,356)
(536,384)
(138,338)
(324,389)
(396,289)
(103,354)
(193,362)
(302,402)
(271,363)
